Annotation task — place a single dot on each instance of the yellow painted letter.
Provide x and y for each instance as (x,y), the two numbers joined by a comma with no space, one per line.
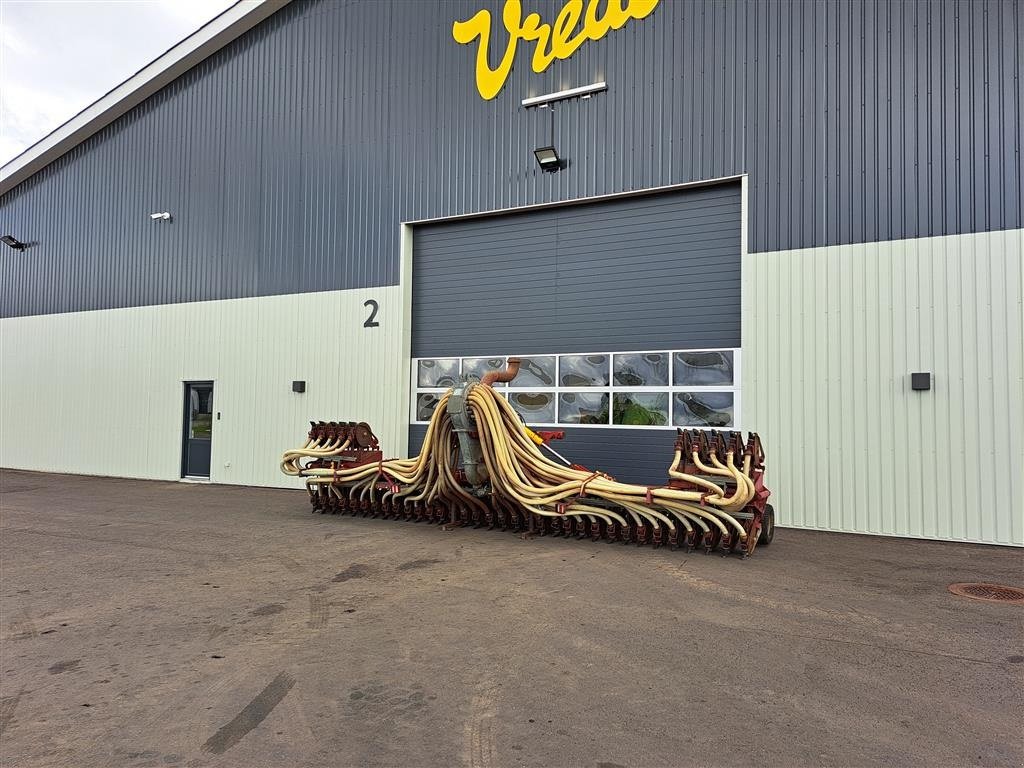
(550,41)
(489,81)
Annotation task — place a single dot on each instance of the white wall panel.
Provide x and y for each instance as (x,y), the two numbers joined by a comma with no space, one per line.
(830,338)
(102,392)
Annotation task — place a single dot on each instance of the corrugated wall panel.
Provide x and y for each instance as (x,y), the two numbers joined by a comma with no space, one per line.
(649,272)
(105,387)
(831,336)
(289,158)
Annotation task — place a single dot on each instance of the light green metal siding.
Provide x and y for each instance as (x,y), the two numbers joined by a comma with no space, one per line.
(101,393)
(830,338)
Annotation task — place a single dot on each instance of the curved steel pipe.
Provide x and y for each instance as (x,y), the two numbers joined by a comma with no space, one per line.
(496,377)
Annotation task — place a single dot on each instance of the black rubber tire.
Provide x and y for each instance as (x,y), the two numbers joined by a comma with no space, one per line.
(767,526)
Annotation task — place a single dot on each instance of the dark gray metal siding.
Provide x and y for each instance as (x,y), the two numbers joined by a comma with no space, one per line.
(631,455)
(651,272)
(289,157)
(643,273)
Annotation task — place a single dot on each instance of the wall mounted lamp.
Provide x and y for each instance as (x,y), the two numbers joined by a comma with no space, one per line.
(583,92)
(548,159)
(12,242)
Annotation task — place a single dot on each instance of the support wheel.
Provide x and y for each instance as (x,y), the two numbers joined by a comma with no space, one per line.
(767,526)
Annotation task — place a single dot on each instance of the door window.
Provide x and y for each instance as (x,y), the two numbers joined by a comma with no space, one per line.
(200,420)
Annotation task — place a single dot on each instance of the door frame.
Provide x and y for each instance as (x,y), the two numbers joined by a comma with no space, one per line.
(185,415)
(405,259)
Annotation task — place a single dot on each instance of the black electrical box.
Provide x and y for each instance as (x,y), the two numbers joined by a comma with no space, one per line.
(920,381)
(300,386)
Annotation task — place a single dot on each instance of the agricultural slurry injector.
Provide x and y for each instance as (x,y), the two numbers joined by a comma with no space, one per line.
(480,465)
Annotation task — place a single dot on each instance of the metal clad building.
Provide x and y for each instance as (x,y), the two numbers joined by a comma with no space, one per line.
(774,214)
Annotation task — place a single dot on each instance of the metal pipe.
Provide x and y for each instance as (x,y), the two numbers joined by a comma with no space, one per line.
(496,377)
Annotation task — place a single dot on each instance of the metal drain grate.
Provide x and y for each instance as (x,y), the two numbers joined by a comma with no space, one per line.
(992,593)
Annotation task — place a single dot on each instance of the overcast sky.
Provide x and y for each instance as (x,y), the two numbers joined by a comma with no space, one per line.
(59,56)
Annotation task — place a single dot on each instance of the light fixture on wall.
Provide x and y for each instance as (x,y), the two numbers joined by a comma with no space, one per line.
(582,92)
(164,216)
(12,242)
(547,157)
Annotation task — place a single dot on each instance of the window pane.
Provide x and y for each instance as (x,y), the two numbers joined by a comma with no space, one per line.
(201,413)
(534,407)
(702,409)
(642,408)
(535,372)
(702,369)
(583,408)
(583,370)
(644,370)
(438,373)
(426,402)
(476,367)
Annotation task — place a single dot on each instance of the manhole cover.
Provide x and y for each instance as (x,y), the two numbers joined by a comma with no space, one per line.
(993,593)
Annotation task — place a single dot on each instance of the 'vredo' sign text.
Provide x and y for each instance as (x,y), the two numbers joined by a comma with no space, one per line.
(575,24)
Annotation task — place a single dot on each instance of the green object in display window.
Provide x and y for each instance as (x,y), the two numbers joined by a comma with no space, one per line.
(640,409)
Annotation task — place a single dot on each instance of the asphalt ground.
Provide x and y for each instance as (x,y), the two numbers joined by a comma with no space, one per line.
(172,624)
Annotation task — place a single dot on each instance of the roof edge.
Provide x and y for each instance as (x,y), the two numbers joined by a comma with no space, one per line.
(172,64)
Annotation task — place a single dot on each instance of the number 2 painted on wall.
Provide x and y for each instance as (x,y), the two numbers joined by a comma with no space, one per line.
(374,306)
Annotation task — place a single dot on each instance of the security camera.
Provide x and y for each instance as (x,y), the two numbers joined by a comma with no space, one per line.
(165,216)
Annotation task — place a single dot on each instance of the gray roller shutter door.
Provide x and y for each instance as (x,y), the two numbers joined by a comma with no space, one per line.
(646,273)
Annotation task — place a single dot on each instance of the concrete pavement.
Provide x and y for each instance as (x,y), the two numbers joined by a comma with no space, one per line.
(170,624)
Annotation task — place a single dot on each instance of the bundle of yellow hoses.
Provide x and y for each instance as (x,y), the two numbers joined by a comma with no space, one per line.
(521,475)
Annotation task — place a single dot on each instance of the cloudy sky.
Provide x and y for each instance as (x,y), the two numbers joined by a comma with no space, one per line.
(59,56)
